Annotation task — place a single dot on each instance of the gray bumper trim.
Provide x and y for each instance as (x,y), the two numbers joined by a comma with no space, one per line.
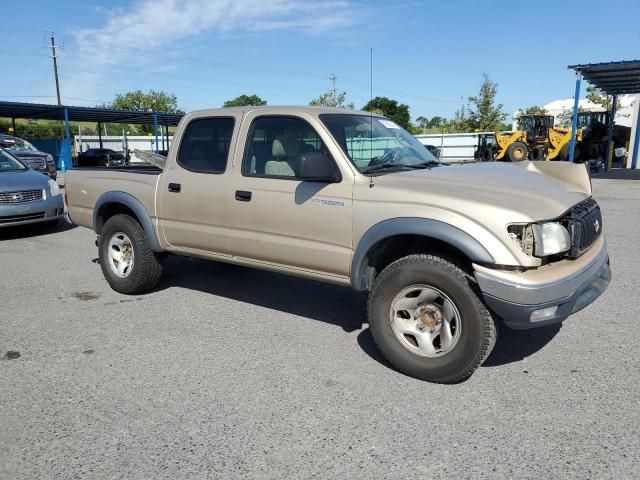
(545,293)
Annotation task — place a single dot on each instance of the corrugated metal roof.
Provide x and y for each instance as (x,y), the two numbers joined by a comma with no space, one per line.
(38,111)
(615,78)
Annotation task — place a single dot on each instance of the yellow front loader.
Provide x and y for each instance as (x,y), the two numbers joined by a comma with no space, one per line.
(537,139)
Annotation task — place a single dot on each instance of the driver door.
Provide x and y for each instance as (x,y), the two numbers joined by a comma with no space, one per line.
(277,218)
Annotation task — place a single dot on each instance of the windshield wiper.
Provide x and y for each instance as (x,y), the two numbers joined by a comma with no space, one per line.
(385,166)
(428,163)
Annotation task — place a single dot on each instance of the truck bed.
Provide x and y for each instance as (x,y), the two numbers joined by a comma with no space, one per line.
(84,185)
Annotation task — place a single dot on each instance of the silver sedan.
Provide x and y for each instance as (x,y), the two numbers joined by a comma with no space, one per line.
(27,196)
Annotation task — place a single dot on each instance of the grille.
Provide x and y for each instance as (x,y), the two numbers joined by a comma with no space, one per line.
(22,218)
(21,197)
(34,162)
(584,223)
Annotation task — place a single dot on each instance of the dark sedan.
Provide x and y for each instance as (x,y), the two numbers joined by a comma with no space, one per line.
(30,155)
(26,196)
(101,157)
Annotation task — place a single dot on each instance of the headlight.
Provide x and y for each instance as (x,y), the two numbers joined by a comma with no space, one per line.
(550,238)
(50,159)
(540,239)
(54,188)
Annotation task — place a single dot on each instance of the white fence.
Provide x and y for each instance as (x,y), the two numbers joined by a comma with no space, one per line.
(454,147)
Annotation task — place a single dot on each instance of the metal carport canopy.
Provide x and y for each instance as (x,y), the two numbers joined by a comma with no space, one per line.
(614,78)
(37,111)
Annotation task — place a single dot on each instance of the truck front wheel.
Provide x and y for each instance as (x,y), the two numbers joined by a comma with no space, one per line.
(128,263)
(428,321)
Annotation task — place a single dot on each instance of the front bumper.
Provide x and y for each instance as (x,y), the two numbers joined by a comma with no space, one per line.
(14,214)
(563,288)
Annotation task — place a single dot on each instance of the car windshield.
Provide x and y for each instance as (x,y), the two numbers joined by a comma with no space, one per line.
(375,144)
(23,145)
(9,162)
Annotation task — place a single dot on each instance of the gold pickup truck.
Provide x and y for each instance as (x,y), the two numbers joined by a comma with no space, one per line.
(351,198)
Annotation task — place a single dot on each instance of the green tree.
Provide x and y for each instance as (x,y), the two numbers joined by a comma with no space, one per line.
(332,99)
(460,122)
(599,97)
(399,113)
(423,122)
(437,122)
(245,101)
(485,114)
(152,101)
(534,110)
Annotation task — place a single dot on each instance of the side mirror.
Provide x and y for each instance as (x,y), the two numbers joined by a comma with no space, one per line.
(317,167)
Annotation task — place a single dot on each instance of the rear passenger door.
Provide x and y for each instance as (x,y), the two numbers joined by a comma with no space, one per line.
(275,217)
(193,209)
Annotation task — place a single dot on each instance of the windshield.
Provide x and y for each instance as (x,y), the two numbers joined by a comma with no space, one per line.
(23,145)
(376,144)
(9,162)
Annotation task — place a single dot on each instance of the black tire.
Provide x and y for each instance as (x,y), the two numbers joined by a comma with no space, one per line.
(517,152)
(539,154)
(487,155)
(478,329)
(147,266)
(564,153)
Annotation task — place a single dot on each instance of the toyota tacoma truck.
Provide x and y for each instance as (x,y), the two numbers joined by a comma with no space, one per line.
(349,197)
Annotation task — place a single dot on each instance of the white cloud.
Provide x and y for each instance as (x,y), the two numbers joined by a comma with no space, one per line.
(154,24)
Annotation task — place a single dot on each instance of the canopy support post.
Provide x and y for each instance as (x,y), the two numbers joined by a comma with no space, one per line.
(612,119)
(65,151)
(574,119)
(636,140)
(100,133)
(155,128)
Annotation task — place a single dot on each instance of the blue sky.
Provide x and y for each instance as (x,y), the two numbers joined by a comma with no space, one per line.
(428,54)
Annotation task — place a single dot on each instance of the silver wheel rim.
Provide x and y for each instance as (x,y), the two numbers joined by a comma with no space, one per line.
(120,254)
(425,321)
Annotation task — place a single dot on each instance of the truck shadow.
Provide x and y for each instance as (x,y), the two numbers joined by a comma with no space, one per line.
(327,303)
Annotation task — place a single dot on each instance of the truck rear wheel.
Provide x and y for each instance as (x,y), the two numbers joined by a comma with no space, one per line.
(517,151)
(128,263)
(427,319)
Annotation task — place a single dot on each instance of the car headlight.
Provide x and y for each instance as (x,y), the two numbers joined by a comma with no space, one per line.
(50,159)
(540,239)
(550,238)
(54,188)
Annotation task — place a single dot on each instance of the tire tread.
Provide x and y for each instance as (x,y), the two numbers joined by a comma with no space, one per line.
(489,330)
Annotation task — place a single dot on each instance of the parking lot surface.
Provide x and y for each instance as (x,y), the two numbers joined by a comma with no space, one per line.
(228,372)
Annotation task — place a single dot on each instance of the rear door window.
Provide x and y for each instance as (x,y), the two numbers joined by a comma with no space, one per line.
(205,145)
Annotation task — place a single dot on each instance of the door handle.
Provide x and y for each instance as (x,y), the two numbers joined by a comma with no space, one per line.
(243,196)
(175,187)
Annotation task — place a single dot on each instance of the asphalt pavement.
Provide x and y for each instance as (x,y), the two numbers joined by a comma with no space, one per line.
(227,372)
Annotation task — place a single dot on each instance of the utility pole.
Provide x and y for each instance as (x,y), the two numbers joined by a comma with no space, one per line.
(55,65)
(333,79)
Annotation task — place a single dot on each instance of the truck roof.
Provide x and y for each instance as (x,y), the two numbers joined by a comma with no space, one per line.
(284,109)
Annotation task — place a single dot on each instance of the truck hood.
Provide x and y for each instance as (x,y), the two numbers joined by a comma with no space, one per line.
(541,190)
(19,180)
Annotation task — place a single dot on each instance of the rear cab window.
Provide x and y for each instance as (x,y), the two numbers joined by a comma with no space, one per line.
(205,145)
